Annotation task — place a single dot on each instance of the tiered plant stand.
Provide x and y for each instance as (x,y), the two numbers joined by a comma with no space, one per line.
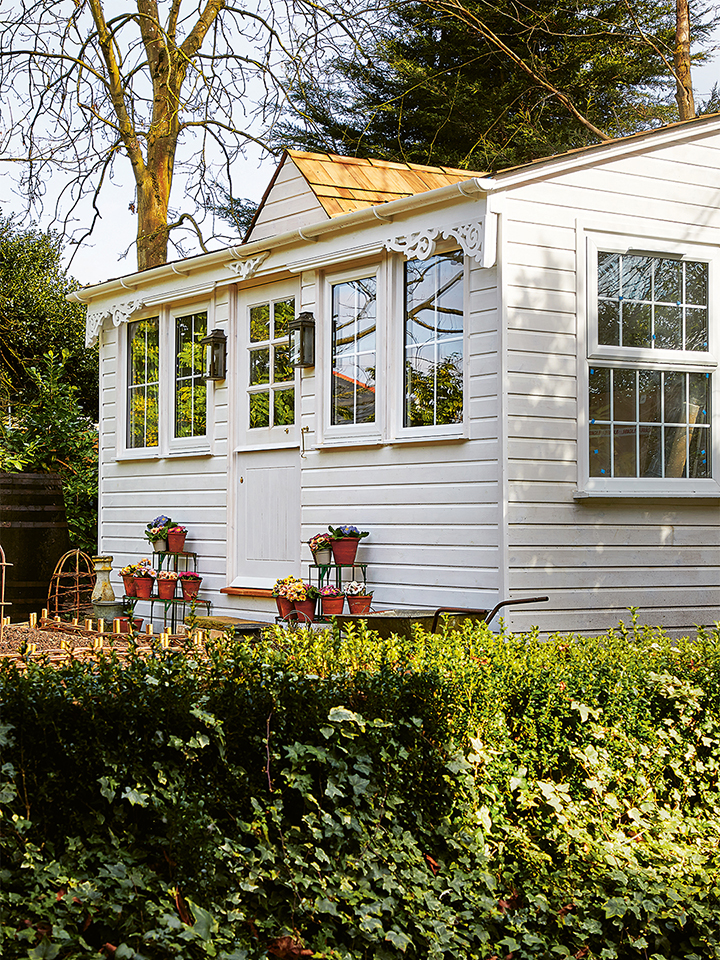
(321,575)
(175,610)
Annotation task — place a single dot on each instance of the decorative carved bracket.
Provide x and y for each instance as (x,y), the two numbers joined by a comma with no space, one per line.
(422,244)
(119,313)
(244,269)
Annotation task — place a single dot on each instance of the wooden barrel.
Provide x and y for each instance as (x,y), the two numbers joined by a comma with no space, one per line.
(34,535)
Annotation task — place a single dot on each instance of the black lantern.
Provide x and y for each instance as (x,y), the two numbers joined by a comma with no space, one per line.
(302,340)
(216,357)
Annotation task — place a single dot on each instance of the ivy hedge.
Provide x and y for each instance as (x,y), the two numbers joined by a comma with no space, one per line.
(467,795)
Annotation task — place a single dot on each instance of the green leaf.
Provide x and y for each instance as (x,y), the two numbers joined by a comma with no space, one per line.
(205,925)
(398,939)
(615,907)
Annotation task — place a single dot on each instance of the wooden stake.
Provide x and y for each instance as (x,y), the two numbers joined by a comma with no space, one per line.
(88,624)
(44,614)
(116,625)
(33,620)
(149,629)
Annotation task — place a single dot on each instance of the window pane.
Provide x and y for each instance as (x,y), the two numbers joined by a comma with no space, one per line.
(259,410)
(190,391)
(675,397)
(260,323)
(624,450)
(283,407)
(650,451)
(260,366)
(668,280)
(609,275)
(143,376)
(699,450)
(353,351)
(624,395)
(675,451)
(283,369)
(699,405)
(434,305)
(636,324)
(600,450)
(696,283)
(283,312)
(636,278)
(599,393)
(668,328)
(649,394)
(696,328)
(609,322)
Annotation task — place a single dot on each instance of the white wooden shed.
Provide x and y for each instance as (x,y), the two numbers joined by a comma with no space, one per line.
(515,386)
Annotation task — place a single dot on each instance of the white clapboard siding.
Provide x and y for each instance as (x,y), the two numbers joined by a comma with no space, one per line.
(291,205)
(594,558)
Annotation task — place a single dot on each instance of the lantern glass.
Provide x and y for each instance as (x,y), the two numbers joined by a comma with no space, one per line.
(301,340)
(216,356)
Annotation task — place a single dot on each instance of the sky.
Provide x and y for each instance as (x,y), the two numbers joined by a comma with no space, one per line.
(110,252)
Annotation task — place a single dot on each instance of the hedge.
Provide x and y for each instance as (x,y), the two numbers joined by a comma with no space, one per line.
(466,795)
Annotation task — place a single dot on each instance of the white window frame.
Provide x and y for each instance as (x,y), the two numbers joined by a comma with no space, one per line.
(684,361)
(168,446)
(260,438)
(354,433)
(396,336)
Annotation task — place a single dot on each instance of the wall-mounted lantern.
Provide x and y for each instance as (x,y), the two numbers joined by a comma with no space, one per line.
(302,340)
(216,357)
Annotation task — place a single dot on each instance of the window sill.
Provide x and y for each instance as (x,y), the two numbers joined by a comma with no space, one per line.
(711,492)
(142,453)
(269,445)
(191,451)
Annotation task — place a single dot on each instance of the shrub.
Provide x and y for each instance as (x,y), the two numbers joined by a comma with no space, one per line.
(457,796)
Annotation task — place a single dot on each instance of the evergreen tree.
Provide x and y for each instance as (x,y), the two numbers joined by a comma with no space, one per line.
(483,87)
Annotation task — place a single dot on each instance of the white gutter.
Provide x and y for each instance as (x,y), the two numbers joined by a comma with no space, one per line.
(473,188)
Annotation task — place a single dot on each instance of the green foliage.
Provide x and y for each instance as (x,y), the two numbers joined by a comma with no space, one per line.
(465,795)
(35,317)
(432,89)
(49,433)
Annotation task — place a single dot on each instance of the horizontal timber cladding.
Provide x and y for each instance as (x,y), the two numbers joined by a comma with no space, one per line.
(595,558)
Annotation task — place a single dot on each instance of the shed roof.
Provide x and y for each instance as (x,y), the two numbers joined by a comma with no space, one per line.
(345,184)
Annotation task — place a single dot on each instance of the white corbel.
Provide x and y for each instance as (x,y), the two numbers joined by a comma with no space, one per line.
(118,313)
(244,269)
(471,237)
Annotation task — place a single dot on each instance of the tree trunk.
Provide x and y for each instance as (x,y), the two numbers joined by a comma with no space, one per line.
(684,91)
(152,235)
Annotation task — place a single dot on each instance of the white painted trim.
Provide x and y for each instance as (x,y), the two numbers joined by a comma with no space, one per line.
(503,424)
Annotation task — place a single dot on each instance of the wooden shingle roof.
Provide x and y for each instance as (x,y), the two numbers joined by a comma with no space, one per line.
(345,184)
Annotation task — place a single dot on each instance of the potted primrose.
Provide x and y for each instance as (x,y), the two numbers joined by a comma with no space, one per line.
(176,538)
(166,583)
(358,597)
(332,599)
(156,533)
(320,547)
(282,591)
(189,584)
(344,543)
(143,578)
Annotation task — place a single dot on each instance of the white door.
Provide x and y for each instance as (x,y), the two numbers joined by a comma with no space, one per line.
(268,516)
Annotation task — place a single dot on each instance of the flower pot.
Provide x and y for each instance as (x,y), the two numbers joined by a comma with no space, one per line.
(166,589)
(332,605)
(176,542)
(160,546)
(129,584)
(344,550)
(125,624)
(305,610)
(323,557)
(284,606)
(143,587)
(359,604)
(190,588)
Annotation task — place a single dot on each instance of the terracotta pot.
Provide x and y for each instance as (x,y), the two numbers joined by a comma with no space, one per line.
(306,610)
(190,588)
(359,604)
(160,546)
(332,605)
(166,589)
(344,550)
(284,606)
(176,542)
(129,584)
(125,624)
(143,587)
